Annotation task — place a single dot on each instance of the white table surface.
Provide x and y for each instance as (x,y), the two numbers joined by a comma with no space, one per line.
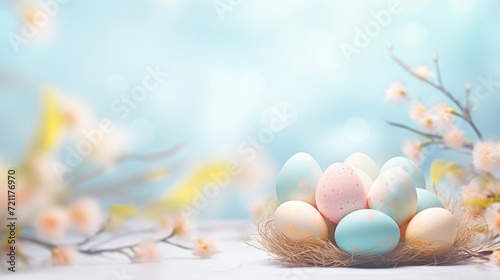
(237,261)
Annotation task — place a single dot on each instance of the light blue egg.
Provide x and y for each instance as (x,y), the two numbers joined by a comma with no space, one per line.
(298,179)
(409,166)
(426,199)
(367,232)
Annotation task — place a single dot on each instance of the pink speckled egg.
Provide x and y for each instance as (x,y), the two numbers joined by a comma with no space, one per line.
(340,191)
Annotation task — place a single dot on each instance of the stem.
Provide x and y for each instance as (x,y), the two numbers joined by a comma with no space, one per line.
(116,236)
(47,245)
(438,72)
(177,245)
(421,133)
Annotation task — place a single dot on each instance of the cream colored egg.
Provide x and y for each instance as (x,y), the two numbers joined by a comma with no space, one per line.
(365,179)
(299,221)
(433,229)
(363,162)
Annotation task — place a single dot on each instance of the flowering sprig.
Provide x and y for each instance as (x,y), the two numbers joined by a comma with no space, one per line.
(144,251)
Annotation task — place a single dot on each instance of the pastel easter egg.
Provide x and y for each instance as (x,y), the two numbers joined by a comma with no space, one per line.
(300,221)
(367,232)
(433,230)
(394,194)
(298,179)
(426,199)
(365,179)
(409,166)
(339,192)
(363,162)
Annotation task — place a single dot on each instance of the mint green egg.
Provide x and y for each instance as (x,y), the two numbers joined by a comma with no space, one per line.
(298,179)
(367,232)
(426,199)
(409,166)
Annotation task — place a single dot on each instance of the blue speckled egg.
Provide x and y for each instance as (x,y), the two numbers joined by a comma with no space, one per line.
(367,232)
(426,199)
(298,179)
(394,194)
(409,166)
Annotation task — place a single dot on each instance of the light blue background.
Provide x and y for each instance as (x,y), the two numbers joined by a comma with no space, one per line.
(226,72)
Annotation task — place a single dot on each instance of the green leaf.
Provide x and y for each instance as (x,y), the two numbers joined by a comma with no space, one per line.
(118,214)
(439,169)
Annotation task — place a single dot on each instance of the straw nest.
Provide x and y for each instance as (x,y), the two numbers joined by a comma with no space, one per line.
(471,245)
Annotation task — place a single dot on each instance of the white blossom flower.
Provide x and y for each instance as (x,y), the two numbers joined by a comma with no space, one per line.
(396,93)
(440,117)
(424,72)
(475,190)
(205,248)
(51,223)
(77,113)
(492,216)
(147,251)
(86,216)
(166,224)
(486,156)
(454,137)
(412,149)
(63,256)
(183,227)
(417,111)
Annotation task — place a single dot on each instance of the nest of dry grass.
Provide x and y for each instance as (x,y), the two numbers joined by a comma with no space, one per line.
(471,245)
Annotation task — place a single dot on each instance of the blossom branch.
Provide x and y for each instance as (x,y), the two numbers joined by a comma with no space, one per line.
(464,109)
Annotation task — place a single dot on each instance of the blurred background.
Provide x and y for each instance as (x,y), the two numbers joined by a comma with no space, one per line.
(238,82)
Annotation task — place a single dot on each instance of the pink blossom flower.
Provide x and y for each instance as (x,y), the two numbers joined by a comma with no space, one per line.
(166,224)
(86,216)
(183,227)
(147,251)
(454,137)
(417,111)
(396,93)
(475,190)
(424,72)
(52,223)
(492,216)
(77,113)
(486,156)
(205,248)
(62,256)
(412,149)
(440,117)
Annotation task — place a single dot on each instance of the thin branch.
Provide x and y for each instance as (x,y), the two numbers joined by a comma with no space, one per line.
(416,131)
(122,234)
(92,237)
(45,244)
(438,72)
(177,245)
